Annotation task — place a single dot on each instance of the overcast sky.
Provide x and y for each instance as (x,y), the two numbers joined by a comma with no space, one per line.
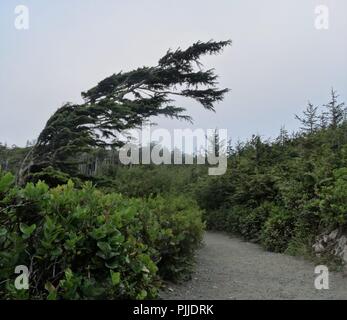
(278,60)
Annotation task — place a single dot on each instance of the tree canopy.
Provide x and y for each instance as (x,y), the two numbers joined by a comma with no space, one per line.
(124,101)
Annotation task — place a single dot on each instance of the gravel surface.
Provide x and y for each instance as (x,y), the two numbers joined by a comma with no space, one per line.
(231,269)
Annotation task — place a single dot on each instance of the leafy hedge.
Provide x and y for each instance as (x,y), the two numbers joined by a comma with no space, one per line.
(84,244)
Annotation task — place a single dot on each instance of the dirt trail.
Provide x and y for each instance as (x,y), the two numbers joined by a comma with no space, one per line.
(229,268)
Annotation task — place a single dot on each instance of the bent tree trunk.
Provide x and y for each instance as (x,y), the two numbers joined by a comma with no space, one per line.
(24,169)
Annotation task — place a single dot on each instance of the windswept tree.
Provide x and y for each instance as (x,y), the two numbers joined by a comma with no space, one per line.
(124,101)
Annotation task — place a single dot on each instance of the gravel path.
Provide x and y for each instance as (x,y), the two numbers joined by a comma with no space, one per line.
(229,268)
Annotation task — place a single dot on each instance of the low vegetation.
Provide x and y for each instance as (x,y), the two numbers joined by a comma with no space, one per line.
(84,244)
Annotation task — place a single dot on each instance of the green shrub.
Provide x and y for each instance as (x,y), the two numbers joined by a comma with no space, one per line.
(333,204)
(152,180)
(216,219)
(307,226)
(83,244)
(252,221)
(233,219)
(240,220)
(278,230)
(179,233)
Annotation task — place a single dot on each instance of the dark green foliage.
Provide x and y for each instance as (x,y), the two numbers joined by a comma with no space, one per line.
(333,203)
(283,193)
(51,176)
(151,180)
(124,101)
(251,221)
(216,219)
(278,230)
(84,244)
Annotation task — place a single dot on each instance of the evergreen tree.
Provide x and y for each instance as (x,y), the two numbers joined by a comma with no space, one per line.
(283,137)
(124,101)
(310,120)
(336,111)
(230,148)
(323,120)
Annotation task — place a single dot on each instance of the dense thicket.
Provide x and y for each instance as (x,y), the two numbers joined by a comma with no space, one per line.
(283,193)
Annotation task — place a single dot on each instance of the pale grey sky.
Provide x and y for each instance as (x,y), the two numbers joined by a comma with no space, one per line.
(277,62)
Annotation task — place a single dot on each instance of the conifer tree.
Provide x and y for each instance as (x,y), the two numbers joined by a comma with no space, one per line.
(283,137)
(310,120)
(336,111)
(323,120)
(121,102)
